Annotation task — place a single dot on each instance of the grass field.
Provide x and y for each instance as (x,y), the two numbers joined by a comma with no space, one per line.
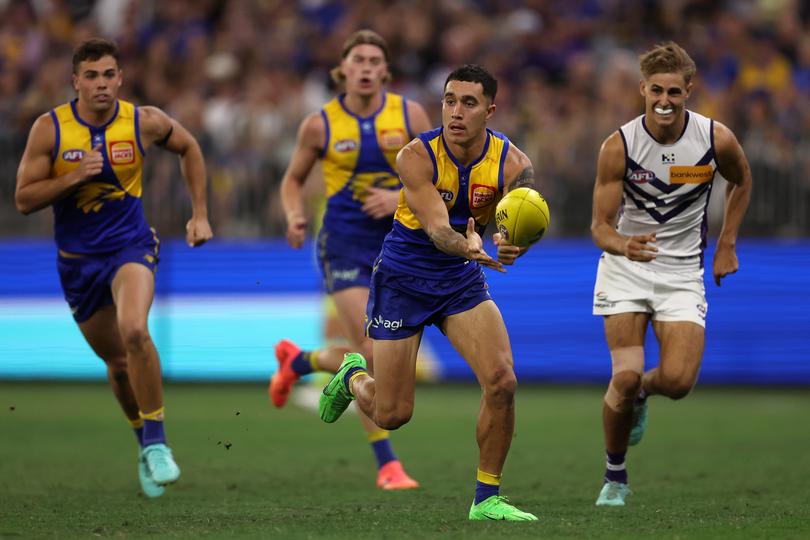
(721,464)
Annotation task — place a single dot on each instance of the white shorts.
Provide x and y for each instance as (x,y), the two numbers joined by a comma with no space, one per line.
(625,286)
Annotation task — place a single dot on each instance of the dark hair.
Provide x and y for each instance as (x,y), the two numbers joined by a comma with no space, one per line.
(361,37)
(477,74)
(94,49)
(667,57)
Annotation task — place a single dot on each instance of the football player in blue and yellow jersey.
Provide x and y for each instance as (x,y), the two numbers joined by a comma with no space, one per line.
(84,159)
(357,136)
(430,271)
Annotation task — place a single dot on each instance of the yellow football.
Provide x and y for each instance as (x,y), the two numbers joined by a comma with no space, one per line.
(522,217)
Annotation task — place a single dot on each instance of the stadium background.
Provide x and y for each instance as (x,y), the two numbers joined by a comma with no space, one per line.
(241,75)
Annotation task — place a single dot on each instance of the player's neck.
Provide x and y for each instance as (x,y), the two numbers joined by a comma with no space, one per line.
(470,151)
(363,105)
(94,118)
(667,134)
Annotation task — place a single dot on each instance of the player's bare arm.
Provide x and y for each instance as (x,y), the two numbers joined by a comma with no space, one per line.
(35,187)
(519,173)
(308,147)
(733,165)
(416,171)
(607,197)
(381,202)
(160,129)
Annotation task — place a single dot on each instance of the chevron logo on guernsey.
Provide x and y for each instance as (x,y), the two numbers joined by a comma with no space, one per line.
(694,174)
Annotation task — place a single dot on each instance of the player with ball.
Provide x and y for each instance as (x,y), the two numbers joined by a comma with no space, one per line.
(430,271)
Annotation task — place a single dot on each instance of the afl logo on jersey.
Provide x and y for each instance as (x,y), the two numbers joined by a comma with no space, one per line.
(392,139)
(344,145)
(122,152)
(482,195)
(641,176)
(446,195)
(73,155)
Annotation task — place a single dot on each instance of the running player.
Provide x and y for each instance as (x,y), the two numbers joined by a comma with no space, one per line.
(657,172)
(430,272)
(357,136)
(84,158)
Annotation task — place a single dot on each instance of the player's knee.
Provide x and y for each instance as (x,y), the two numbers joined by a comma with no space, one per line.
(501,385)
(626,383)
(677,387)
(135,337)
(117,368)
(622,391)
(393,418)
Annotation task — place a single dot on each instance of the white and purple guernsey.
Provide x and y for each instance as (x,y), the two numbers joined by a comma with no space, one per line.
(667,188)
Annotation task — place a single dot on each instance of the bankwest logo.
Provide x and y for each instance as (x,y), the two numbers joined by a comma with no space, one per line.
(695,174)
(379,322)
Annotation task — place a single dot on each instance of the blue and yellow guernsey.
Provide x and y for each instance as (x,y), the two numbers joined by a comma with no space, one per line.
(104,214)
(360,152)
(471,191)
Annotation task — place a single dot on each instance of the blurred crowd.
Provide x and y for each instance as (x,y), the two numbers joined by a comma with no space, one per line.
(241,75)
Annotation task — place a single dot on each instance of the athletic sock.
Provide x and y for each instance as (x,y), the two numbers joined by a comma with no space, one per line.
(153,428)
(381,445)
(486,485)
(304,362)
(351,375)
(137,428)
(615,470)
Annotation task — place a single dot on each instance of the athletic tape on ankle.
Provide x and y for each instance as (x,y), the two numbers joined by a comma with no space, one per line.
(154,415)
(377,435)
(488,478)
(313,360)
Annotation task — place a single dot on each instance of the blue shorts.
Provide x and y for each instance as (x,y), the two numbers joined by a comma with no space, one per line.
(87,280)
(401,305)
(346,261)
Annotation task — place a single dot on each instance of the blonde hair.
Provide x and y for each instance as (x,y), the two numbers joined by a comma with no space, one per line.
(667,57)
(361,37)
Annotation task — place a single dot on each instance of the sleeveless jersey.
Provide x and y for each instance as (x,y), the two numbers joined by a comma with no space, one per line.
(667,188)
(471,191)
(360,152)
(104,214)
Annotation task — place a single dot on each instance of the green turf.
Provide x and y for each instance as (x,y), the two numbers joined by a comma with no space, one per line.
(720,464)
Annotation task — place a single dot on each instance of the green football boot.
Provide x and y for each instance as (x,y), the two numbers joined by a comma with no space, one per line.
(335,398)
(639,423)
(150,488)
(497,508)
(613,494)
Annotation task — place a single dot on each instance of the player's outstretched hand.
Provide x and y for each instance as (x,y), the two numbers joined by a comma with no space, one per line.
(198,231)
(296,230)
(475,249)
(380,202)
(725,263)
(640,248)
(507,253)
